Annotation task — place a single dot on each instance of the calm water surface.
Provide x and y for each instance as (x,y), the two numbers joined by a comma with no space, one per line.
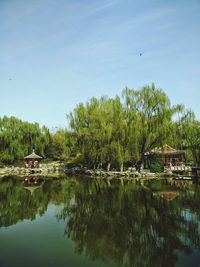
(88,222)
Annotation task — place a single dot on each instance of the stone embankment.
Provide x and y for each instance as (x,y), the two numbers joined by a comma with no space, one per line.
(6,171)
(58,168)
(45,169)
(131,173)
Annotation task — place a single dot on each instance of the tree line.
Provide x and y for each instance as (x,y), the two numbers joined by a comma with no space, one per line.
(107,132)
(18,138)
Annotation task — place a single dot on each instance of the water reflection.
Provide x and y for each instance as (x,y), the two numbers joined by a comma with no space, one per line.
(130,226)
(125,224)
(32,180)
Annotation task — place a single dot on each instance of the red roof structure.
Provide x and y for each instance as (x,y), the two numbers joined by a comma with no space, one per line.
(166,153)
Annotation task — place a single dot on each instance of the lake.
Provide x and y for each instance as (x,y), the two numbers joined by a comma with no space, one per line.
(93,222)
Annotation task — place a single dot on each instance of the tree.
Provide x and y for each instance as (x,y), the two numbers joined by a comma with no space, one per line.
(18,138)
(187,135)
(149,116)
(61,145)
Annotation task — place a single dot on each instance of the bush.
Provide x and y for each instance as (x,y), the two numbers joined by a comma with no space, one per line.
(47,161)
(18,163)
(157,166)
(1,164)
(6,158)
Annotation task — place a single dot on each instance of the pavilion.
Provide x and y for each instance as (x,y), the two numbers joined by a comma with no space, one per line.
(32,160)
(168,155)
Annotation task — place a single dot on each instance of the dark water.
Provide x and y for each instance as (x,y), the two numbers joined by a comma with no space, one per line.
(80,222)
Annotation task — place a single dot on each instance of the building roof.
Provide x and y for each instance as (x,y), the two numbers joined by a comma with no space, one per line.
(33,156)
(165,150)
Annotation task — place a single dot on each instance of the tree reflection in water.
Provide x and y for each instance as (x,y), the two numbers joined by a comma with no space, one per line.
(127,224)
(17,203)
(130,226)
(21,200)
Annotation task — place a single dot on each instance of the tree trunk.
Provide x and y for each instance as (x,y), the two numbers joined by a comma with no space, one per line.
(122,167)
(142,158)
(108,167)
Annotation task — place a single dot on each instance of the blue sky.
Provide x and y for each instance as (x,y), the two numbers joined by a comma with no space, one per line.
(57,53)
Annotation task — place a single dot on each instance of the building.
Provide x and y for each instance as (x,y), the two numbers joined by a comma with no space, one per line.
(32,160)
(168,155)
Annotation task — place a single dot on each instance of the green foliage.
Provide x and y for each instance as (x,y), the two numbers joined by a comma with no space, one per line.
(156,185)
(156,166)
(61,145)
(47,161)
(1,164)
(111,133)
(186,135)
(18,138)
(149,115)
(107,132)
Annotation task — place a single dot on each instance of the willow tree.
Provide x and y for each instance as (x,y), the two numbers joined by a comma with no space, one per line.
(109,133)
(120,133)
(91,127)
(99,127)
(18,138)
(193,140)
(149,116)
(187,135)
(61,145)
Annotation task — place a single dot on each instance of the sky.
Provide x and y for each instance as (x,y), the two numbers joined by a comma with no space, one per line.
(55,54)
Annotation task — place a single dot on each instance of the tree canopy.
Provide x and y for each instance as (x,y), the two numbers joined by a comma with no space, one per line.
(117,132)
(18,138)
(107,132)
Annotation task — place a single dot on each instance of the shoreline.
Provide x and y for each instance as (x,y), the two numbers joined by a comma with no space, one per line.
(57,169)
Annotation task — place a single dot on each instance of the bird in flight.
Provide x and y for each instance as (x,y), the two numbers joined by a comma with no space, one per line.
(140,54)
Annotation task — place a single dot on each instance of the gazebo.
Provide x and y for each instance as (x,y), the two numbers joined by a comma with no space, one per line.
(168,155)
(32,160)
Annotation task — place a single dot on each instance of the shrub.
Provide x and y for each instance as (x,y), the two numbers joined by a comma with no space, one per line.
(1,164)
(156,166)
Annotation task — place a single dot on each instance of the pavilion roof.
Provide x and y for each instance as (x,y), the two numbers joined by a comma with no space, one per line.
(33,156)
(165,150)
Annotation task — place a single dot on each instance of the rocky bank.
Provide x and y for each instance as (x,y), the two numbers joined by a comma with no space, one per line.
(56,168)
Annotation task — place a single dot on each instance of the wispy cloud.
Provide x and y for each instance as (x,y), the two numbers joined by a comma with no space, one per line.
(103,7)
